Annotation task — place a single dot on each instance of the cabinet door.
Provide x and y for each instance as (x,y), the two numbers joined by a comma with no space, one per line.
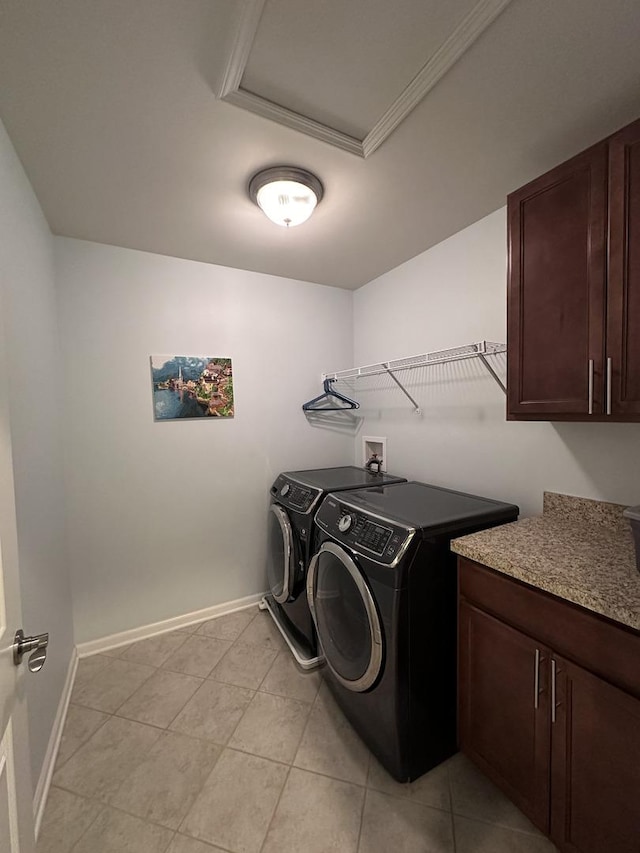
(623,326)
(556,291)
(595,787)
(504,709)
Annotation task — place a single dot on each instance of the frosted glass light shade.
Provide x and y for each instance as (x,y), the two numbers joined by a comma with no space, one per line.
(286,195)
(287,202)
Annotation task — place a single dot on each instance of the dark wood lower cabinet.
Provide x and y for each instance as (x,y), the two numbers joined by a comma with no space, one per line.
(595,765)
(562,742)
(501,728)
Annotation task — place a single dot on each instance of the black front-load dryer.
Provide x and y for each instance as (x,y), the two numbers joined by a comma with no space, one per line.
(382,591)
(295,496)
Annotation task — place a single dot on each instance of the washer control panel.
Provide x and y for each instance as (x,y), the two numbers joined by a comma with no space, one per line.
(294,495)
(344,523)
(369,535)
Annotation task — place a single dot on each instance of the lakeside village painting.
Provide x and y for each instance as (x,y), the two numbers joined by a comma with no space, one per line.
(187,386)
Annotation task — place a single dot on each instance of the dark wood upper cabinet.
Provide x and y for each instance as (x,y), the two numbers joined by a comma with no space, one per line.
(623,326)
(573,307)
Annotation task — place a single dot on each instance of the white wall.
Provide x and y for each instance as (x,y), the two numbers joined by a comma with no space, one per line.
(35,378)
(169,517)
(454,294)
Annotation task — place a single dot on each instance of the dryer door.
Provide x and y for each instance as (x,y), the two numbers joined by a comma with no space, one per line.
(281,554)
(346,617)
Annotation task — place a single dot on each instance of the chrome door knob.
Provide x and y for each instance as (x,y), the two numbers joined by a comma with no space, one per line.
(36,645)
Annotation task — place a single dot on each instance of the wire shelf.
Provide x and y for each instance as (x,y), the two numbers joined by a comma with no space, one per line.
(438,356)
(480,350)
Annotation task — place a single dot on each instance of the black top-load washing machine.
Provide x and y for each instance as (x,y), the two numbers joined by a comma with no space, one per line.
(295,496)
(382,591)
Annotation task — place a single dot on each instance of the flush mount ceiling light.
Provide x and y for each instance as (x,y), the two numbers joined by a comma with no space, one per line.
(285,194)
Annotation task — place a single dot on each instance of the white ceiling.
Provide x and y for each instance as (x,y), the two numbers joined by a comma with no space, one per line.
(355,70)
(327,74)
(112,107)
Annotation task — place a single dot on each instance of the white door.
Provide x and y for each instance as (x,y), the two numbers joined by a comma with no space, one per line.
(16,793)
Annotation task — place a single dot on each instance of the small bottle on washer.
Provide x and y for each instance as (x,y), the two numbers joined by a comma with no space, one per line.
(374,464)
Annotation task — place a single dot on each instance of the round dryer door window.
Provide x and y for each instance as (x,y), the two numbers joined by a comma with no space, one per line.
(281,554)
(346,618)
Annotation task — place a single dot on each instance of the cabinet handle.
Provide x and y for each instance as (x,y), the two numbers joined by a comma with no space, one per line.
(555,671)
(590,386)
(536,681)
(609,376)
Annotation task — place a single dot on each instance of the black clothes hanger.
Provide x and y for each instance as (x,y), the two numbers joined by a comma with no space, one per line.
(310,405)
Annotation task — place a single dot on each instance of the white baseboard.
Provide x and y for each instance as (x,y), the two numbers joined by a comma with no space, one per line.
(112,641)
(42,788)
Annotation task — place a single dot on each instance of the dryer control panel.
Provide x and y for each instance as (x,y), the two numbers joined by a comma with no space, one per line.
(293,495)
(378,538)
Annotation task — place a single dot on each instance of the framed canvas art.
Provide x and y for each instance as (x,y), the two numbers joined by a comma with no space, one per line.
(188,386)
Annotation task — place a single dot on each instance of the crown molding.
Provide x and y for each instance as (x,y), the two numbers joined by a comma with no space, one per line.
(471,27)
(241,48)
(465,34)
(295,121)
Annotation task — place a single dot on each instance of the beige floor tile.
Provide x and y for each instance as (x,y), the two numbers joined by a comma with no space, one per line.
(118,651)
(237,802)
(165,785)
(229,626)
(316,815)
(80,724)
(160,698)
(112,686)
(183,844)
(393,823)
(330,745)
(188,629)
(66,818)
(262,631)
(271,727)
(213,711)
(285,678)
(154,651)
(197,655)
(87,668)
(325,697)
(117,832)
(432,789)
(99,766)
(142,781)
(474,796)
(244,666)
(472,836)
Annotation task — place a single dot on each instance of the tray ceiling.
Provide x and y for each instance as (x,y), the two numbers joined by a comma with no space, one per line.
(112,108)
(347,73)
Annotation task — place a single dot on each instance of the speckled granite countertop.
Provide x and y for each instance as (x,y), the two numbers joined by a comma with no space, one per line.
(578,549)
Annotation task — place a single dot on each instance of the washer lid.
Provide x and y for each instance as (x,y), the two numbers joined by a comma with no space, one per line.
(432,510)
(345,477)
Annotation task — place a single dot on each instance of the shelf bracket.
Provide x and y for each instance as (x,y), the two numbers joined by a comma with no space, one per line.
(417,408)
(483,359)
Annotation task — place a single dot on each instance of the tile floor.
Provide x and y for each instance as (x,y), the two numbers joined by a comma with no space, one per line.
(210,739)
